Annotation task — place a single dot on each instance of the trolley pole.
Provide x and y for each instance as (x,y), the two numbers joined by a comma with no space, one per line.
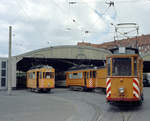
(9,62)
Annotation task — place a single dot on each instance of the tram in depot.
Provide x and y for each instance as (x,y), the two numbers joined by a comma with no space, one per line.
(124,81)
(85,78)
(41,78)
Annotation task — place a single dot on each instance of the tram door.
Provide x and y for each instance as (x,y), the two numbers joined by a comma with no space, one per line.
(85,74)
(37,80)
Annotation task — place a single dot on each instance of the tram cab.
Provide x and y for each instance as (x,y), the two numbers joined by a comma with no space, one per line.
(124,81)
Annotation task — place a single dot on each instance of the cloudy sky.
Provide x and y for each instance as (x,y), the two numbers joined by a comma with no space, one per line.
(43,23)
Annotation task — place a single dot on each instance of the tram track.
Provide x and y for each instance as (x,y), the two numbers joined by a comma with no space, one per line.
(126,118)
(64,105)
(98,112)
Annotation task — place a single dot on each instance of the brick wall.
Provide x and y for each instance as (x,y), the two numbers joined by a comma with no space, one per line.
(143,43)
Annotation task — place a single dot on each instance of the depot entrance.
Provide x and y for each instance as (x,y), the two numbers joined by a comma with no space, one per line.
(60,65)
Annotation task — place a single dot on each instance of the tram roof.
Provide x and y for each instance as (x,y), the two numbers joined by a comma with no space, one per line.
(83,67)
(124,50)
(124,56)
(41,66)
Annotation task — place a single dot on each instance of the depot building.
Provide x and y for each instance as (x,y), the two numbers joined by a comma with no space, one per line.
(59,57)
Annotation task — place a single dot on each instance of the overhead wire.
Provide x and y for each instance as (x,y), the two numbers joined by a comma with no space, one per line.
(62,11)
(69,19)
(115,17)
(100,15)
(112,3)
(92,26)
(90,29)
(75,21)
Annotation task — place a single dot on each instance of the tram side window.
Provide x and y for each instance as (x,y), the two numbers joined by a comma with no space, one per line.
(91,74)
(70,76)
(52,74)
(80,75)
(40,75)
(108,66)
(48,75)
(140,70)
(88,75)
(94,74)
(33,75)
(44,75)
(135,66)
(75,75)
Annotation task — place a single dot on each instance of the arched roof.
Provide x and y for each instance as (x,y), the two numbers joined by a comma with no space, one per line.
(68,52)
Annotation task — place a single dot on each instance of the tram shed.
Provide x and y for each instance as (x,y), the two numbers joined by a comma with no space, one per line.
(59,57)
(146,63)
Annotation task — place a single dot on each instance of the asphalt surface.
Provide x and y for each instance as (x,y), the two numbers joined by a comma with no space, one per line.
(66,105)
(29,106)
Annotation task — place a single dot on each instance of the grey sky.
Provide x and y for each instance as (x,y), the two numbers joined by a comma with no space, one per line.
(42,23)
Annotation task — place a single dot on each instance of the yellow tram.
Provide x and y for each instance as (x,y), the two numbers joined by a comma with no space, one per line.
(124,81)
(101,78)
(41,78)
(85,78)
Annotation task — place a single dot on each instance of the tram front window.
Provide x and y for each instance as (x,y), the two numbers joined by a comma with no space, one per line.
(121,67)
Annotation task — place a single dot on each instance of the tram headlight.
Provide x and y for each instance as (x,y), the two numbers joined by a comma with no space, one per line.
(121,90)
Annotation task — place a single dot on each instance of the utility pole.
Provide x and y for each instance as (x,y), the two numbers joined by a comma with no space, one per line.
(9,62)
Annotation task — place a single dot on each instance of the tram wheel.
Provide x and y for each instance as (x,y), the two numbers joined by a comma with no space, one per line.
(48,90)
(70,88)
(142,97)
(89,89)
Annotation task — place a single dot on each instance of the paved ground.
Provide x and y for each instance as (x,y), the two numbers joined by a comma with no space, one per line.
(65,105)
(28,106)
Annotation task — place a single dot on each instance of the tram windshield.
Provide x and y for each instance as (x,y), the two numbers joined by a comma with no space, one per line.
(121,67)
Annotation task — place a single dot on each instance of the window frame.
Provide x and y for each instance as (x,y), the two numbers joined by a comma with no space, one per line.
(78,75)
(121,74)
(3,65)
(3,81)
